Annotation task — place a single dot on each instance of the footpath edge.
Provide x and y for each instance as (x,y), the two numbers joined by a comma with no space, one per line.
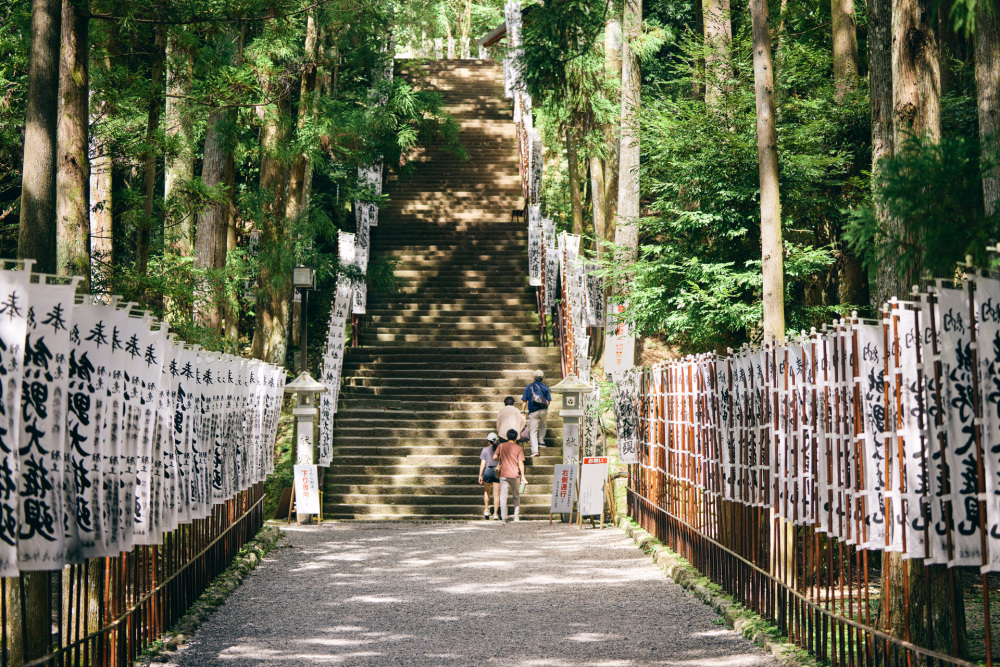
(737,617)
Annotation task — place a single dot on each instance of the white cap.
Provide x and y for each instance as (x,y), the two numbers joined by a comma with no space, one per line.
(492,437)
(538,375)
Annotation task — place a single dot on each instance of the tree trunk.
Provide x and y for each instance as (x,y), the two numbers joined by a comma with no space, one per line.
(945,611)
(100,201)
(451,40)
(37,230)
(627,232)
(574,182)
(718,36)
(274,296)
(464,28)
(599,205)
(988,94)
(767,157)
(231,311)
(885,283)
(155,106)
(178,168)
(845,47)
(916,84)
(612,133)
(850,274)
(916,72)
(916,110)
(213,222)
(297,173)
(73,168)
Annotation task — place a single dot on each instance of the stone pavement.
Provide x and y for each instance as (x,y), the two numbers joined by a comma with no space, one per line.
(474,593)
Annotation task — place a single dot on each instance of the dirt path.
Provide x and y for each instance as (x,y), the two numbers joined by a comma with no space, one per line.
(463,594)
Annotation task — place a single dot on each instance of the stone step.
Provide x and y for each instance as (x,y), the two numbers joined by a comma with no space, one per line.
(339,467)
(537,498)
(470,341)
(420,446)
(525,318)
(350,405)
(420,513)
(469,488)
(429,482)
(470,371)
(450,461)
(510,383)
(443,354)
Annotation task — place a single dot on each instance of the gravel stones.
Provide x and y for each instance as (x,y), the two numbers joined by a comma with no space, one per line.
(475,593)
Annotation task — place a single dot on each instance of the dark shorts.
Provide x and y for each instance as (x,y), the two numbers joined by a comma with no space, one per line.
(490,475)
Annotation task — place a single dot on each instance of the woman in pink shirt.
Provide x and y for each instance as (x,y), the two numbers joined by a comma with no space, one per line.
(511,472)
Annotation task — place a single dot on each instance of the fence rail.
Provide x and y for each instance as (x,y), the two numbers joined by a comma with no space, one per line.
(846,484)
(107,611)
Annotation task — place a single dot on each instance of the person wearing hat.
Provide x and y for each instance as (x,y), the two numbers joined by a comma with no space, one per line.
(488,476)
(535,403)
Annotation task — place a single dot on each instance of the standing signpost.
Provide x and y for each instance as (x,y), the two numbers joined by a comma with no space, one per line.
(563,490)
(593,475)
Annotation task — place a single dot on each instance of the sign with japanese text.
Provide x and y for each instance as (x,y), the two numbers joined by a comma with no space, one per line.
(619,342)
(563,488)
(306,489)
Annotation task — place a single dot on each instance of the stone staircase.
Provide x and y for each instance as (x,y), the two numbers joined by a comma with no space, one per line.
(435,360)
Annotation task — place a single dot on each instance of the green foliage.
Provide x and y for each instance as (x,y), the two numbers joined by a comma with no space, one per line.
(15,31)
(698,278)
(932,190)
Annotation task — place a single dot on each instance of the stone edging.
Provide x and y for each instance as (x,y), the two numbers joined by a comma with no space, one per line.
(250,555)
(736,616)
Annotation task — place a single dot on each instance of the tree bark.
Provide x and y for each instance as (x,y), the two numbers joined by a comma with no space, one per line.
(718,36)
(574,182)
(73,168)
(845,47)
(274,296)
(598,203)
(101,218)
(213,222)
(37,229)
(299,171)
(627,231)
(612,133)
(155,106)
(464,28)
(916,93)
(916,110)
(945,611)
(767,157)
(988,96)
(916,72)
(178,168)
(885,283)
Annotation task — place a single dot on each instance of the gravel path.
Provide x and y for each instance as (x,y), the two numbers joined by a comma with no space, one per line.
(463,594)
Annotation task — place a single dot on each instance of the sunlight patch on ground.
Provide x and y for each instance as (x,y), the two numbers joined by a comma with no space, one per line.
(376,599)
(592,637)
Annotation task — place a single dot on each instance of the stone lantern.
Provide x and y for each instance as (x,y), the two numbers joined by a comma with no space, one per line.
(571,387)
(306,390)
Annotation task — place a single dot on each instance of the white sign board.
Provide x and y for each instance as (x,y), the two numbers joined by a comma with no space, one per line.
(619,344)
(306,489)
(592,476)
(563,483)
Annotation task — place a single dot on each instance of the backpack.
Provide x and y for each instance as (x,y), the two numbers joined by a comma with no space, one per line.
(537,398)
